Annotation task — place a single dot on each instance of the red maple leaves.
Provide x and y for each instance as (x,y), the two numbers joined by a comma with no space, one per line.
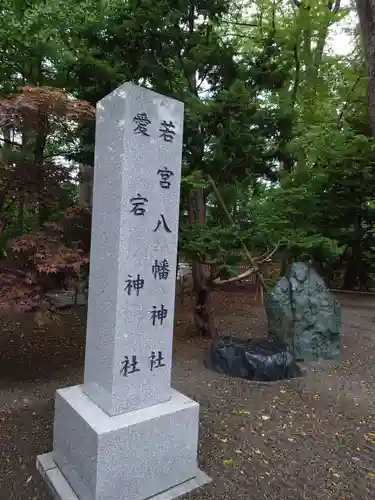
(35,122)
(41,262)
(33,104)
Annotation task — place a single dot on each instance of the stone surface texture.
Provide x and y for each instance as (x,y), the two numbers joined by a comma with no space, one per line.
(279,311)
(125,433)
(131,456)
(61,489)
(126,245)
(305,314)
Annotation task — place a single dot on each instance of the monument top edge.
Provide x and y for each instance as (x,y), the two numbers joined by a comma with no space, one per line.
(127,89)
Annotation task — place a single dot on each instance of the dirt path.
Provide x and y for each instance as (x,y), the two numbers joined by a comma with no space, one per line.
(309,438)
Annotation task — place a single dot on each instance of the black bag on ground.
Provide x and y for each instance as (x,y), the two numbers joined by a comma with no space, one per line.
(265,359)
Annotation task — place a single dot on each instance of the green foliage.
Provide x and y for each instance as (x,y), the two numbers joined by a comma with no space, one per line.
(277,121)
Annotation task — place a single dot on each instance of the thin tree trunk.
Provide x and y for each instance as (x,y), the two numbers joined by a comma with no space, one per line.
(40,141)
(354,263)
(204,313)
(355,274)
(85,184)
(6,132)
(203,310)
(351,272)
(366,14)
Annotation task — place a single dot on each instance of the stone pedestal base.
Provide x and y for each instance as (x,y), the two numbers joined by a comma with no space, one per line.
(148,453)
(61,489)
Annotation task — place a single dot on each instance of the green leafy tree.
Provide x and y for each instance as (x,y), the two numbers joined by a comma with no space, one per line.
(263,101)
(180,50)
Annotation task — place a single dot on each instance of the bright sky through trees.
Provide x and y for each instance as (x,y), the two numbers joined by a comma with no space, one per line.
(341,38)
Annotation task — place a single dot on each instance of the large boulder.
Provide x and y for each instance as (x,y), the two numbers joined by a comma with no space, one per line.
(304,313)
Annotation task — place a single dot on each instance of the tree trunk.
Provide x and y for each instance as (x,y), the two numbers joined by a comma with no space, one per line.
(350,276)
(38,143)
(366,14)
(353,266)
(203,311)
(85,184)
(356,270)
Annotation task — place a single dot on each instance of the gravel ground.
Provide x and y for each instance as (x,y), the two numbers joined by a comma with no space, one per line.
(308,438)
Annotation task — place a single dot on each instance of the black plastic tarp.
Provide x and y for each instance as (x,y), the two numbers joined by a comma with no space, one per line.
(266,359)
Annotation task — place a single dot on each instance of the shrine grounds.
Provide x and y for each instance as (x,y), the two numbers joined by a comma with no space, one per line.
(303,439)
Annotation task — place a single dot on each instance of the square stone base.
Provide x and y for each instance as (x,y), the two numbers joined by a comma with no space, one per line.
(61,489)
(148,453)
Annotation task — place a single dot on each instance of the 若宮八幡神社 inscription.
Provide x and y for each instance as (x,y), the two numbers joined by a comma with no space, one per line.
(160,269)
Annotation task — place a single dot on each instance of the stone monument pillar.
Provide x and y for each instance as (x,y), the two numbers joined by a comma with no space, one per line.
(125,434)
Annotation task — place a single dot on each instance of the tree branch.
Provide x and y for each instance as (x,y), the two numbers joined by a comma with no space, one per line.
(230,219)
(296,76)
(240,277)
(263,258)
(186,74)
(202,80)
(236,23)
(346,102)
(211,262)
(10,142)
(336,6)
(239,35)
